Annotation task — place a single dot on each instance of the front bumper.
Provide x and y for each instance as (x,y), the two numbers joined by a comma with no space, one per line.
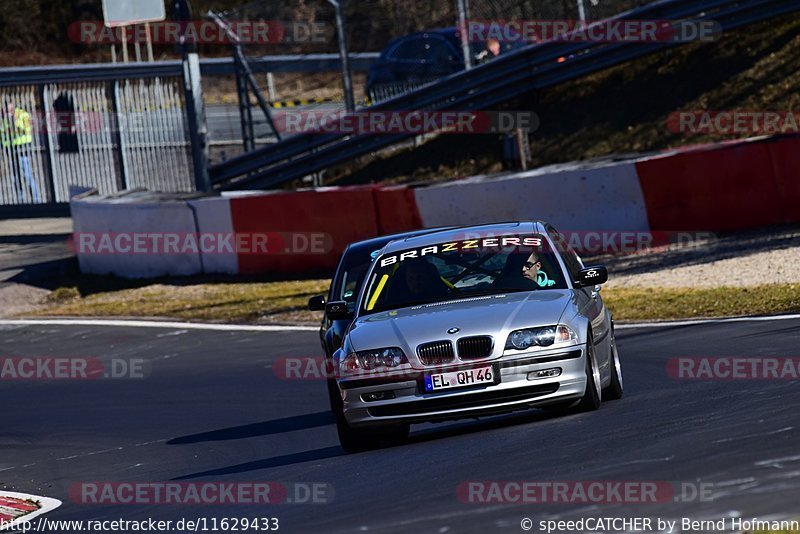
(514,391)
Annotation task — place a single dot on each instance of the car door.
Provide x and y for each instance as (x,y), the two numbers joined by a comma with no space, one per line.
(590,301)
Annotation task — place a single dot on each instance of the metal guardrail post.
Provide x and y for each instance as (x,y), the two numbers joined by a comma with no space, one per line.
(464,32)
(245,111)
(44,133)
(195,114)
(116,135)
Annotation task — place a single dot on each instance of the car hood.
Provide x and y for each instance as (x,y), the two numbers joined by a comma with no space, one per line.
(494,315)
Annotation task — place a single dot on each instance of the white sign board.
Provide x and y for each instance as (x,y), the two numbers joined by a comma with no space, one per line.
(128,12)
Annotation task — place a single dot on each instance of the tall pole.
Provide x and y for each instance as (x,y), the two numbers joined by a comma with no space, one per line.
(124,45)
(347,80)
(195,115)
(193,93)
(149,43)
(464,32)
(581,11)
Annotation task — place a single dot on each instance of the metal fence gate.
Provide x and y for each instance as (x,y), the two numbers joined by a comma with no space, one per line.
(81,148)
(105,134)
(154,135)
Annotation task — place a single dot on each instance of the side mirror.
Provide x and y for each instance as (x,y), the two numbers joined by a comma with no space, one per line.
(593,276)
(338,310)
(316,303)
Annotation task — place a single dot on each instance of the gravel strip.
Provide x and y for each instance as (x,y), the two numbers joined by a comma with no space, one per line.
(743,259)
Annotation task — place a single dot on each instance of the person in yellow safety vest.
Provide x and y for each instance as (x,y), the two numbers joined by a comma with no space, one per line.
(16,136)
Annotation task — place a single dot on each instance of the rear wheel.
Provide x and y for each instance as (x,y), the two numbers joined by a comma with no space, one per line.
(614,390)
(592,396)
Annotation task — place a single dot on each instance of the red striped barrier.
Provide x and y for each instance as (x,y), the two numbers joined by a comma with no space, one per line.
(396,209)
(732,186)
(728,186)
(317,226)
(785,161)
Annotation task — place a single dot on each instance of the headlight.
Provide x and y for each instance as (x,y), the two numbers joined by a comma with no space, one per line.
(370,360)
(540,337)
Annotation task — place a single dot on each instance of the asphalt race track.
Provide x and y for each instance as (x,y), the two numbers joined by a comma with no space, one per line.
(210,408)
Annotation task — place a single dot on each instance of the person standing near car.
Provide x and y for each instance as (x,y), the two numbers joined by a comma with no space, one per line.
(16,136)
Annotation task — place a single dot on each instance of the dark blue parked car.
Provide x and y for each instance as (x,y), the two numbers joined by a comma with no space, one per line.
(412,60)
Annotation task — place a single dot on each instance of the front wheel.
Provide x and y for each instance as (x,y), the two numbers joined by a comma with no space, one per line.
(614,390)
(355,440)
(592,395)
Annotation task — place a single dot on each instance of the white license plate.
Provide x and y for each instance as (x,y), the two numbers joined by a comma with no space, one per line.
(459,379)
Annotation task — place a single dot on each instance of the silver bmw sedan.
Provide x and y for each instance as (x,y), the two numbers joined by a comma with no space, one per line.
(472,321)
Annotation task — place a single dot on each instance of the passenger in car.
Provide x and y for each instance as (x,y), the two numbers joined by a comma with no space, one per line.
(416,280)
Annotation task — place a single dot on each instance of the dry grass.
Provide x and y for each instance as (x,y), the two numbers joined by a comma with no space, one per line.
(284,302)
(247,302)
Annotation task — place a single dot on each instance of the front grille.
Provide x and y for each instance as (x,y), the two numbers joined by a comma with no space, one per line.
(436,352)
(460,402)
(472,348)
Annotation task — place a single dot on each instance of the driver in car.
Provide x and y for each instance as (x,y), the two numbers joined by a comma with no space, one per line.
(531,270)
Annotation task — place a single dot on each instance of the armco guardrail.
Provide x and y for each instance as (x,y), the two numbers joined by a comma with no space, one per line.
(534,67)
(211,66)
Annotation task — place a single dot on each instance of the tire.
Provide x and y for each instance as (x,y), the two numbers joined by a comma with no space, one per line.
(355,440)
(615,388)
(593,394)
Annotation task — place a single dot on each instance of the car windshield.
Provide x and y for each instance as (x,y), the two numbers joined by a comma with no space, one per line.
(462,269)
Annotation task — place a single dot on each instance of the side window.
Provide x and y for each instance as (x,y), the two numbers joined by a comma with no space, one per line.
(429,48)
(440,52)
(571,259)
(411,49)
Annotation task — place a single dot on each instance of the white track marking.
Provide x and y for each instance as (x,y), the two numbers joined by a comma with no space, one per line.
(290,328)
(662,324)
(157,324)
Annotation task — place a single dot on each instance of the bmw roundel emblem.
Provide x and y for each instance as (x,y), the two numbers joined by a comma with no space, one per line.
(454,330)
